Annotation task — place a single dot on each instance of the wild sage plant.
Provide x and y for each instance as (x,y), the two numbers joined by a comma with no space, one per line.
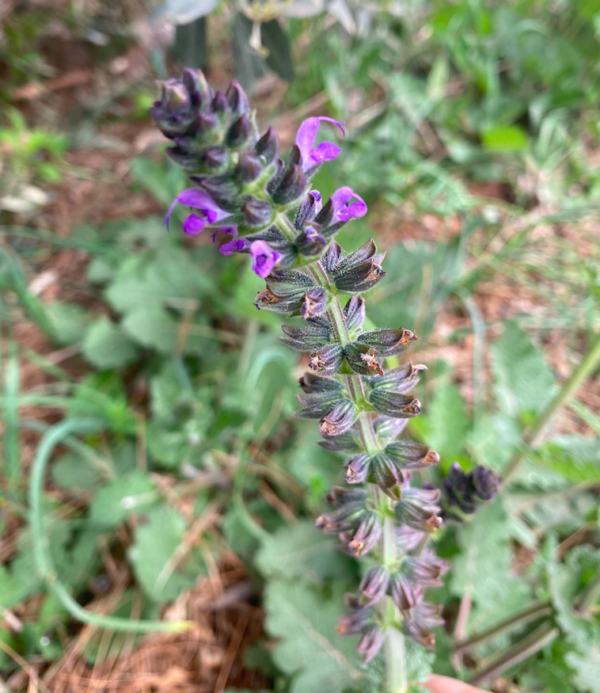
(256,203)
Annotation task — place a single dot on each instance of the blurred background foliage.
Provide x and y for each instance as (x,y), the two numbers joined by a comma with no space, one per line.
(180,485)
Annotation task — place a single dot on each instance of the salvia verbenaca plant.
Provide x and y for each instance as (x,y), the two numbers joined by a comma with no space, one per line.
(256,203)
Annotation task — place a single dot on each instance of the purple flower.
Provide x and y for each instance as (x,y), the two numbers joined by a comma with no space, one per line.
(343,209)
(234,244)
(197,199)
(305,139)
(264,258)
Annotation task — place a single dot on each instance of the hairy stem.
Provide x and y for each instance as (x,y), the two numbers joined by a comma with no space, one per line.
(533,435)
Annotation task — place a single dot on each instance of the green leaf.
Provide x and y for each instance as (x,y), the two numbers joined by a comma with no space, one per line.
(302,552)
(275,40)
(159,570)
(524,381)
(483,568)
(69,321)
(575,458)
(73,471)
(152,327)
(309,648)
(587,667)
(131,494)
(447,423)
(249,66)
(105,345)
(509,138)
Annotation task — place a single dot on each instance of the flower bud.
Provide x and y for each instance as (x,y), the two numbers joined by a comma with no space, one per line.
(314,302)
(318,404)
(190,162)
(287,283)
(464,493)
(292,183)
(248,168)
(174,113)
(392,404)
(237,99)
(419,633)
(357,620)
(347,517)
(208,127)
(240,133)
(425,571)
(338,420)
(401,380)
(256,212)
(361,278)
(388,342)
(388,428)
(315,383)
(410,455)
(354,313)
(340,495)
(387,474)
(418,509)
(328,360)
(358,468)
(267,147)
(370,643)
(363,359)
(310,241)
(406,594)
(198,88)
(344,443)
(485,483)
(308,210)
(219,106)
(331,257)
(215,159)
(366,536)
(374,584)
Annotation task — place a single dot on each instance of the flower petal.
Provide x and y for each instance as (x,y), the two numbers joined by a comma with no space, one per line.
(305,139)
(232,247)
(326,151)
(344,211)
(193,225)
(264,258)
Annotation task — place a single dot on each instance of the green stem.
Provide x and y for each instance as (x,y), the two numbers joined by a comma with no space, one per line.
(41,554)
(534,434)
(537,610)
(524,649)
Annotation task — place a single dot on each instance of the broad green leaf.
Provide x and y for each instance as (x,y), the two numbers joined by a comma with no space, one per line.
(483,568)
(279,59)
(161,572)
(249,66)
(309,648)
(105,345)
(131,494)
(509,138)
(587,667)
(152,327)
(69,321)
(74,471)
(524,381)
(302,552)
(575,458)
(447,423)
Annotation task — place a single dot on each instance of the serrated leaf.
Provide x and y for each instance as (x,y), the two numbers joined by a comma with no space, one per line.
(153,556)
(309,648)
(524,381)
(105,345)
(587,668)
(130,494)
(447,423)
(279,59)
(302,552)
(483,568)
(152,327)
(575,458)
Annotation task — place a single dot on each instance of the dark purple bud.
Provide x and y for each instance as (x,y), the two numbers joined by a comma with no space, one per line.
(237,99)
(429,614)
(388,342)
(207,124)
(354,313)
(267,147)
(374,584)
(410,455)
(357,468)
(425,571)
(357,620)
(325,216)
(308,210)
(363,359)
(394,405)
(190,162)
(328,360)
(215,158)
(222,189)
(248,168)
(332,257)
(418,509)
(257,212)
(174,113)
(338,420)
(219,105)
(198,88)
(310,241)
(370,643)
(366,252)
(292,183)
(485,482)
(347,517)
(287,283)
(314,302)
(406,595)
(240,133)
(366,536)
